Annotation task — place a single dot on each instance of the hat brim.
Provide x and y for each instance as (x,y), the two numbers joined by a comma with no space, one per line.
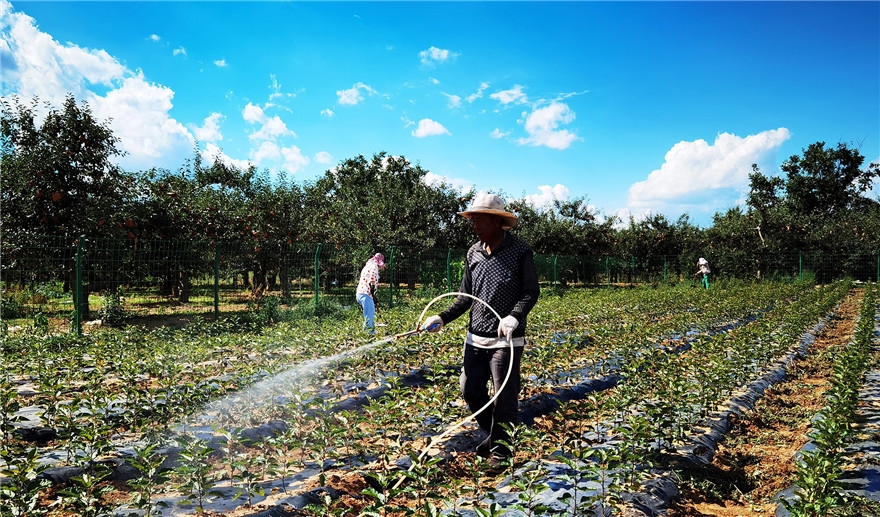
(508,220)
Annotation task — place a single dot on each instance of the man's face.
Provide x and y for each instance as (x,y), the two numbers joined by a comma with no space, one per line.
(486,226)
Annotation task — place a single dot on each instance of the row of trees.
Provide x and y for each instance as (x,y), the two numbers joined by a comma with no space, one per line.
(59,178)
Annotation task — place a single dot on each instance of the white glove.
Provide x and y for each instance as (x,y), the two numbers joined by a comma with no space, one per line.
(434,321)
(506,327)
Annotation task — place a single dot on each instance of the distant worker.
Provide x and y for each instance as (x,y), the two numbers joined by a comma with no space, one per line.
(703,271)
(500,270)
(366,289)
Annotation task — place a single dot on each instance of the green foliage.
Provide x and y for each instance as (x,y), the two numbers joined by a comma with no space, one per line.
(112,313)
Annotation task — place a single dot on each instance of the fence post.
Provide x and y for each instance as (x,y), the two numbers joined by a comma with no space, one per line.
(317,273)
(391,280)
(800,265)
(555,281)
(78,290)
(217,281)
(449,270)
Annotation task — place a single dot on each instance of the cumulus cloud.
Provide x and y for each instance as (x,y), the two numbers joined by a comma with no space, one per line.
(436,56)
(34,64)
(428,127)
(293,159)
(353,96)
(210,129)
(272,128)
(435,180)
(253,114)
(155,37)
(328,113)
(323,157)
(542,126)
(270,153)
(697,171)
(544,200)
(220,63)
(213,153)
(513,95)
(497,133)
(179,51)
(623,215)
(139,118)
(266,152)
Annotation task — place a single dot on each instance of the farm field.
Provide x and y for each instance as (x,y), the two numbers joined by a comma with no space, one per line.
(313,417)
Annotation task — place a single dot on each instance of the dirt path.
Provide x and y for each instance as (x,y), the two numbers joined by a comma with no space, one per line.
(756,460)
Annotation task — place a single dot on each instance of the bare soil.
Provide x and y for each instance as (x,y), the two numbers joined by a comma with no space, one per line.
(756,460)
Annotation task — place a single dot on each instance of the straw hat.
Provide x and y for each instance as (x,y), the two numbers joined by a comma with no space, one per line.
(486,203)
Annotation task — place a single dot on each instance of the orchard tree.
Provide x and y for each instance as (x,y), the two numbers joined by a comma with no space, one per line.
(59,177)
(565,228)
(383,201)
(828,181)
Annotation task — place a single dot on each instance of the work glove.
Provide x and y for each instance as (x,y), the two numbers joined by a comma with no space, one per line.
(430,321)
(506,327)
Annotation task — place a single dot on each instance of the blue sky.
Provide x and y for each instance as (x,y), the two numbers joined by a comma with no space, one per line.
(635,106)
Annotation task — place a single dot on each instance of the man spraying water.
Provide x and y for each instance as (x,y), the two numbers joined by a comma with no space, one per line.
(500,270)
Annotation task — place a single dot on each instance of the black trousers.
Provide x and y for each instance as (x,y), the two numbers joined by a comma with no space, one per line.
(479,366)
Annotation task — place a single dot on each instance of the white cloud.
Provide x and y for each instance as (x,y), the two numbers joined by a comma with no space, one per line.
(272,128)
(139,113)
(221,63)
(155,37)
(213,153)
(434,56)
(623,216)
(179,51)
(544,200)
(328,113)
(542,126)
(267,151)
(253,114)
(497,133)
(37,65)
(353,95)
(210,130)
(323,157)
(293,159)
(696,171)
(479,93)
(428,127)
(290,158)
(454,100)
(513,95)
(435,180)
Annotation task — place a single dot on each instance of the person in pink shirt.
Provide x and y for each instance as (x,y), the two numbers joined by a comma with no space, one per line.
(366,289)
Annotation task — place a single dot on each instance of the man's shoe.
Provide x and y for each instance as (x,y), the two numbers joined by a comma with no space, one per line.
(497,464)
(484,449)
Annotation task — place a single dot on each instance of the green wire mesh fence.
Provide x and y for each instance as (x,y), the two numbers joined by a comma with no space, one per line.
(64,283)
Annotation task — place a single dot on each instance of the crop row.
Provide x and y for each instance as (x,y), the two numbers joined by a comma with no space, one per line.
(676,351)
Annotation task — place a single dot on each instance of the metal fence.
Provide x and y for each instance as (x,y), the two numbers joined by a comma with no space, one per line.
(63,282)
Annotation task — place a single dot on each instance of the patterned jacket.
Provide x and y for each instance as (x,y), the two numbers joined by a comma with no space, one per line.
(506,280)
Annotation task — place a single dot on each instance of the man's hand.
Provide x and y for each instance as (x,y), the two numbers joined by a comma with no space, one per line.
(433,323)
(506,327)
